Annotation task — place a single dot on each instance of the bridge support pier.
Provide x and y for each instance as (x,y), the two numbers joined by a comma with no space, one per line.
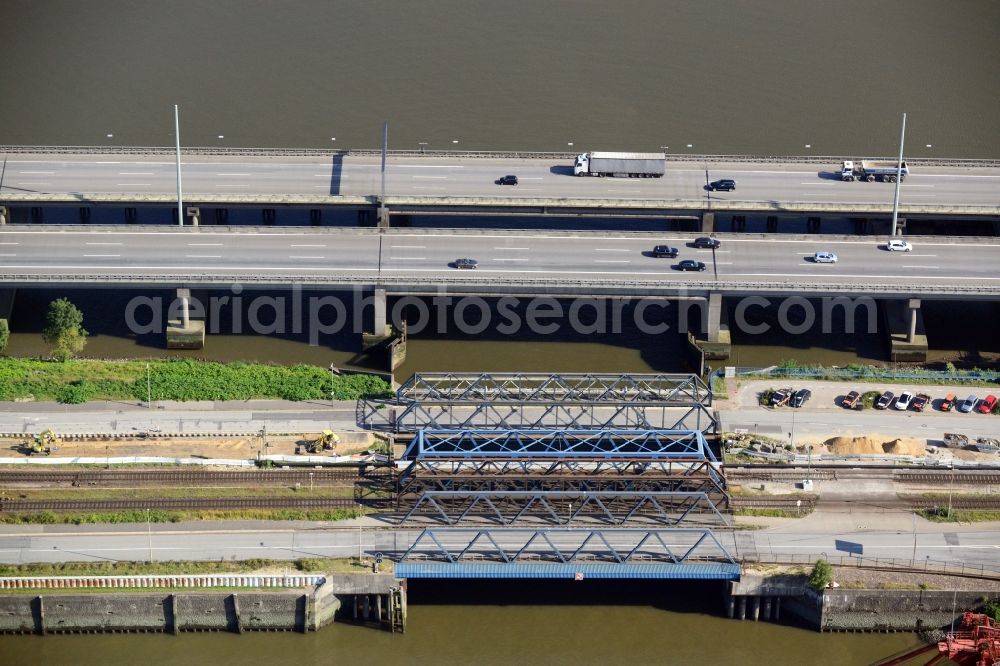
(268,216)
(222,216)
(772,223)
(84,214)
(907,339)
(379,334)
(716,343)
(36,215)
(707,222)
(739,223)
(185,333)
(315,216)
(194,215)
(813,224)
(4,215)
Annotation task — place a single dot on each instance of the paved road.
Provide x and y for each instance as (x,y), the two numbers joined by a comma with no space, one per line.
(471,177)
(880,535)
(333,255)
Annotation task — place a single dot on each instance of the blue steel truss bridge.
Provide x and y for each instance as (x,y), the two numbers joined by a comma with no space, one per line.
(611,476)
(567,553)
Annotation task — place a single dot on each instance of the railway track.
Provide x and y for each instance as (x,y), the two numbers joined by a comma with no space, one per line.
(174,504)
(172,477)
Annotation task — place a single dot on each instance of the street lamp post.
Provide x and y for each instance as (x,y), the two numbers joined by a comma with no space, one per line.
(899,178)
(149,536)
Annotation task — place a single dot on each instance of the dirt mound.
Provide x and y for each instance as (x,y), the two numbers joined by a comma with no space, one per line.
(907,446)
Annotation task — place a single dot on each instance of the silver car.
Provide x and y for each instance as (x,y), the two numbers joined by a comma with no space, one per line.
(824,258)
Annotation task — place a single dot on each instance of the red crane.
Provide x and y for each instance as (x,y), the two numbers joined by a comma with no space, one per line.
(976,643)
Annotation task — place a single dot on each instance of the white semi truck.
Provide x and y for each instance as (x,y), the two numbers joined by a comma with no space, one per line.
(871,170)
(623,165)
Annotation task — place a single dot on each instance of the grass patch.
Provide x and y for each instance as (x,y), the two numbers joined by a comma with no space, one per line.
(773,513)
(180,379)
(319,565)
(136,516)
(940,515)
(719,388)
(95,494)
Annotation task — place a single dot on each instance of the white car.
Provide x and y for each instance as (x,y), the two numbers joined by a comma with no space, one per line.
(903,401)
(824,258)
(898,246)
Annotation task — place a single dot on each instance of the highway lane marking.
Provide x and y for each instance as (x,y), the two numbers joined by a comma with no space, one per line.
(8,255)
(101,243)
(425,166)
(205,244)
(136,173)
(133,184)
(496,248)
(914,185)
(531,178)
(723,263)
(294,256)
(626,191)
(613,249)
(203,256)
(408,247)
(240,185)
(612,261)
(307,245)
(408,258)
(811,183)
(919,266)
(47,173)
(31,182)
(425,187)
(9,243)
(508,259)
(438,177)
(923,255)
(94,256)
(232,174)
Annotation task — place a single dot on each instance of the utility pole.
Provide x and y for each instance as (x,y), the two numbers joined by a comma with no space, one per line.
(180,198)
(899,179)
(149,536)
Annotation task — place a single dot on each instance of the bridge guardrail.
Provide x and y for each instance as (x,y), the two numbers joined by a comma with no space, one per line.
(917,565)
(417,284)
(477,154)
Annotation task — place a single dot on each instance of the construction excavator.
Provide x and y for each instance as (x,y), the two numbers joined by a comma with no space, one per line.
(327,441)
(40,444)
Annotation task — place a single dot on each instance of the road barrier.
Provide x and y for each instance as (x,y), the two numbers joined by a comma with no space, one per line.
(160,581)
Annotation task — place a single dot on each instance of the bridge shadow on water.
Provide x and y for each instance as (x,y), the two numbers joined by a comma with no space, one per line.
(677,596)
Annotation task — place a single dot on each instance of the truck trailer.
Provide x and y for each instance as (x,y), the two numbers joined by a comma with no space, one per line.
(623,165)
(871,170)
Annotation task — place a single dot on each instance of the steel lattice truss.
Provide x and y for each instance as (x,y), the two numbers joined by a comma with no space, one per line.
(565,507)
(565,416)
(538,474)
(532,443)
(671,389)
(619,546)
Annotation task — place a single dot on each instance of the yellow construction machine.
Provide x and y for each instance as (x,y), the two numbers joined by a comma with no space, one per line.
(327,441)
(41,444)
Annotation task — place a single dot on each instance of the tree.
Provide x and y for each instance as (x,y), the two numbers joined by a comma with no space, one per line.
(64,330)
(821,576)
(4,334)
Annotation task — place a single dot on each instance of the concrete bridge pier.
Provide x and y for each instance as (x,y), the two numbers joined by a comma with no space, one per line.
(222,216)
(813,224)
(84,214)
(4,215)
(6,307)
(194,216)
(716,343)
(739,223)
(707,222)
(379,334)
(315,216)
(185,333)
(772,223)
(905,323)
(267,216)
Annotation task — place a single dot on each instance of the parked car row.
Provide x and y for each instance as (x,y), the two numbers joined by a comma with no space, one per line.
(908,400)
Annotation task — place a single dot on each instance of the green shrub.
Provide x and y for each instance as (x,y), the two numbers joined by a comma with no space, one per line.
(74,393)
(821,576)
(992,608)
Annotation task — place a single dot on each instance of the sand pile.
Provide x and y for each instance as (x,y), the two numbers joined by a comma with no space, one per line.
(906,446)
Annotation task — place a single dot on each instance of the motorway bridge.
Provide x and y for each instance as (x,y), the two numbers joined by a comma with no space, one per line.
(465,182)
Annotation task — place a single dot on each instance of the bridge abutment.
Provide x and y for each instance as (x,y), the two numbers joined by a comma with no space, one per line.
(905,324)
(185,333)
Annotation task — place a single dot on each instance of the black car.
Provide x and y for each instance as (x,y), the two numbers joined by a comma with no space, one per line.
(466,263)
(706,241)
(801,397)
(884,400)
(690,265)
(507,180)
(664,251)
(722,185)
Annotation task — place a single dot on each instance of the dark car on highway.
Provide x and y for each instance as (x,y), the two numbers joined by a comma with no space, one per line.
(466,263)
(723,184)
(706,241)
(884,400)
(690,265)
(801,397)
(665,251)
(507,180)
